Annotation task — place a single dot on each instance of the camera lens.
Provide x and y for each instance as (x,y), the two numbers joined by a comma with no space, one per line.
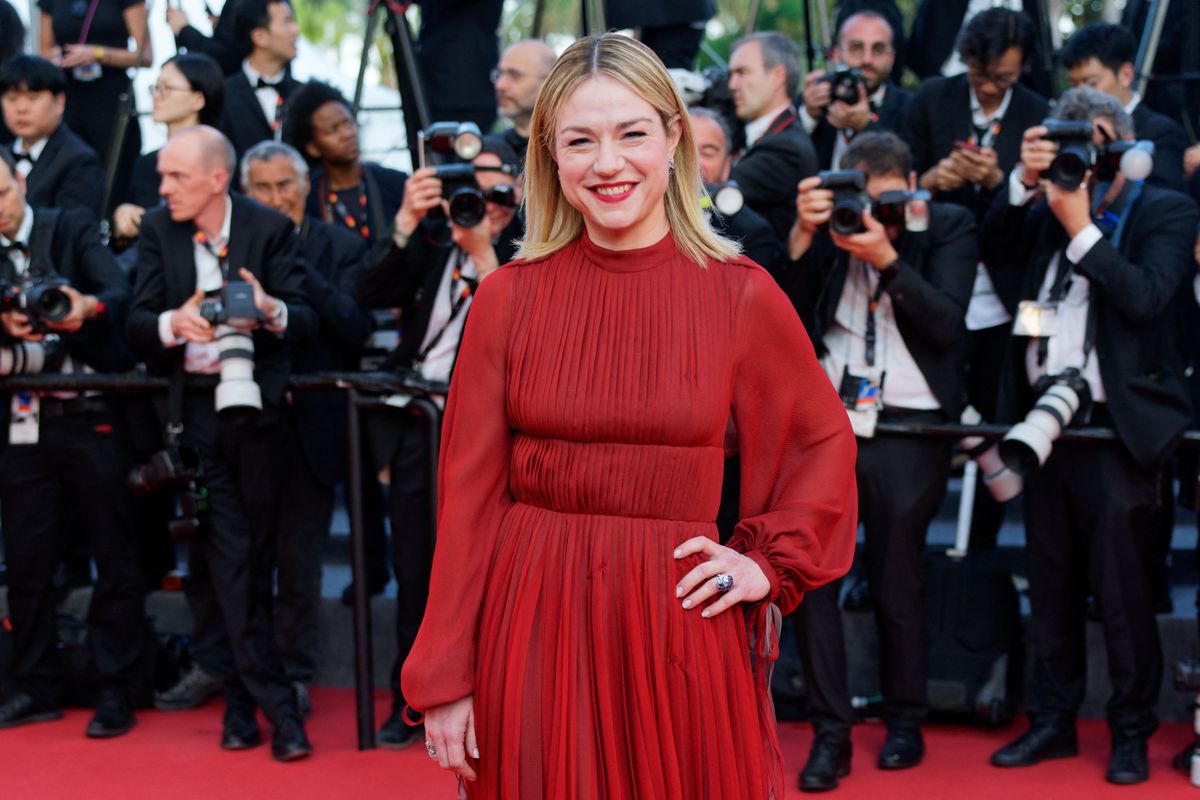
(1069,167)
(846,218)
(467,207)
(49,303)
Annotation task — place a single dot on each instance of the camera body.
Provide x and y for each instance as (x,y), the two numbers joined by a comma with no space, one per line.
(850,199)
(844,82)
(1060,399)
(232,305)
(41,298)
(233,315)
(176,467)
(468,202)
(1076,152)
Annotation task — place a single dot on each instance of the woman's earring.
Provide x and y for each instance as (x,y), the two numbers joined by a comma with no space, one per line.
(670,166)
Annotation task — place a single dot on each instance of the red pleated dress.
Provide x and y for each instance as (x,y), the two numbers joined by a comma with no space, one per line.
(583,442)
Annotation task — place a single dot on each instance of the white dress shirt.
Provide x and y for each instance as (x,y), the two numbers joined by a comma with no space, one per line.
(267,98)
(904,384)
(34,151)
(985,309)
(756,129)
(439,360)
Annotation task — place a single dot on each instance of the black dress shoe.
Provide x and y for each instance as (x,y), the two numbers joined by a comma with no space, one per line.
(1183,759)
(194,688)
(904,748)
(240,728)
(113,716)
(1128,763)
(828,760)
(1039,743)
(289,742)
(21,709)
(395,733)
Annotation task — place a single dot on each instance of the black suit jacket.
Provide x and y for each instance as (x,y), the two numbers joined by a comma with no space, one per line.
(242,118)
(332,260)
(221,46)
(935,33)
(888,117)
(941,113)
(262,241)
(929,296)
(755,234)
(1131,288)
(1169,143)
(385,193)
(409,278)
(769,171)
(656,13)
(66,175)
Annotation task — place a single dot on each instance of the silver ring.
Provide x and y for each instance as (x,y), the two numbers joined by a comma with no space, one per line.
(430,749)
(724,582)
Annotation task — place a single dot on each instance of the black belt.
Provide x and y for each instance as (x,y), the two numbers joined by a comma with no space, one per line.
(51,407)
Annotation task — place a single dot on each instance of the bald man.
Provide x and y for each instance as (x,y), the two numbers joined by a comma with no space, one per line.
(196,242)
(519,76)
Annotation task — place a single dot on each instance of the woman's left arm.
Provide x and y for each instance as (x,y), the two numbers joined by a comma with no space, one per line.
(142,55)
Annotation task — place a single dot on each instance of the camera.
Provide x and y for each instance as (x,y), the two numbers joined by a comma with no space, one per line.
(233,314)
(1134,160)
(468,202)
(844,82)
(1076,152)
(462,139)
(19,357)
(1026,446)
(726,198)
(902,207)
(175,467)
(232,305)
(41,298)
(849,187)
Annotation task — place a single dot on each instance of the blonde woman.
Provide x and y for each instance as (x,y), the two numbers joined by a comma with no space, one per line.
(586,636)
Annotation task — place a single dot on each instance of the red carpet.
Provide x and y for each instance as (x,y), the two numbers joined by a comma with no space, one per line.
(175,757)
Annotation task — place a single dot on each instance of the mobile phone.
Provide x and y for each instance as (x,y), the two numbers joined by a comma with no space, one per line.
(959,144)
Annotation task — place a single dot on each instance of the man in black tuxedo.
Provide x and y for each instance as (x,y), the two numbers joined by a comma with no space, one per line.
(313,434)
(715,144)
(938,24)
(430,271)
(256,93)
(197,242)
(885,310)
(1106,281)
(1101,56)
(60,170)
(864,43)
(62,455)
(764,73)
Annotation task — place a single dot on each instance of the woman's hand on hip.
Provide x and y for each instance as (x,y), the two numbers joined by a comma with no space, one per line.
(750,584)
(450,729)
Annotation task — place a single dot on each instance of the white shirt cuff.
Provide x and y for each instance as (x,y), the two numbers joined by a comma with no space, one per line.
(168,338)
(1083,242)
(1018,193)
(1196,287)
(809,122)
(278,324)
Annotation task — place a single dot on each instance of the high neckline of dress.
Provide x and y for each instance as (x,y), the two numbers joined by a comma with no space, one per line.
(637,259)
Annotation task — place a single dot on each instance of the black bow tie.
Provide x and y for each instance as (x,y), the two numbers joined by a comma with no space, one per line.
(23,157)
(15,247)
(267,84)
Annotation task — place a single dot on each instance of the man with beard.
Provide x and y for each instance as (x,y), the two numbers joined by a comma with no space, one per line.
(517,79)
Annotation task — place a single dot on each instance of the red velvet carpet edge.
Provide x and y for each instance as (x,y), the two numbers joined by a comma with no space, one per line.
(175,757)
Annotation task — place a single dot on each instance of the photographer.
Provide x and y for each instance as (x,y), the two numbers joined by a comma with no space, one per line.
(61,455)
(884,307)
(517,78)
(764,73)
(1098,264)
(864,57)
(714,141)
(202,241)
(432,278)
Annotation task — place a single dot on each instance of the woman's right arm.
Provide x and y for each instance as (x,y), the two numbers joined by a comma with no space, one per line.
(473,497)
(47,46)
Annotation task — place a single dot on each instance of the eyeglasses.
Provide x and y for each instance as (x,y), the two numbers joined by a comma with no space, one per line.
(978,77)
(163,88)
(512,74)
(879,49)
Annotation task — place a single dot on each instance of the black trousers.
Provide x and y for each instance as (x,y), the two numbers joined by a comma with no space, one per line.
(1087,513)
(412,535)
(229,563)
(77,465)
(985,358)
(901,484)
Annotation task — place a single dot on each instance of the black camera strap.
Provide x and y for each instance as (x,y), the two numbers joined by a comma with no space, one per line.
(458,301)
(175,404)
(870,336)
(222,255)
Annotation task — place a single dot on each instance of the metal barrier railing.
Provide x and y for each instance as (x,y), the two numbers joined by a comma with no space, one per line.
(393,392)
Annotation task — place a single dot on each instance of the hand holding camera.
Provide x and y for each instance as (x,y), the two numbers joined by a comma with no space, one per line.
(1037,154)
(43,303)
(813,207)
(268,307)
(18,325)
(852,116)
(422,192)
(818,93)
(873,246)
(188,324)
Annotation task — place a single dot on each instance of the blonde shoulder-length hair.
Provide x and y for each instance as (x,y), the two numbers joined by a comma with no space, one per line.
(551,222)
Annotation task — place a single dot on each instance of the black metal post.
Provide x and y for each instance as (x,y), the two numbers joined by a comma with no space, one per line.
(433,428)
(364,676)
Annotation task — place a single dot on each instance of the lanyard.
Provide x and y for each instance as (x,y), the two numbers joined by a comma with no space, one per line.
(985,136)
(869,337)
(222,255)
(458,301)
(335,209)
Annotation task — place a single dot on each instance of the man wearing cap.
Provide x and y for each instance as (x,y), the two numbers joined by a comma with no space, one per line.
(429,268)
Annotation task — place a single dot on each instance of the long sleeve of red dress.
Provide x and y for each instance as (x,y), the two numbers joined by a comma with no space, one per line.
(474,478)
(799,507)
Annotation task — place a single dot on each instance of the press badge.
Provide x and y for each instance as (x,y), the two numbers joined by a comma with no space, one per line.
(862,395)
(1039,320)
(24,419)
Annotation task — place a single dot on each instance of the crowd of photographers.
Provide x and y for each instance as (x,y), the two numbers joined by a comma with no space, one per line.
(971,251)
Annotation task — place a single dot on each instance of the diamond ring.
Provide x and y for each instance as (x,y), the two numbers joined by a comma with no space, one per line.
(724,582)
(430,749)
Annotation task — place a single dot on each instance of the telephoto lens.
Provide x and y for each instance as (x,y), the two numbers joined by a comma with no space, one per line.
(31,358)
(238,397)
(1027,444)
